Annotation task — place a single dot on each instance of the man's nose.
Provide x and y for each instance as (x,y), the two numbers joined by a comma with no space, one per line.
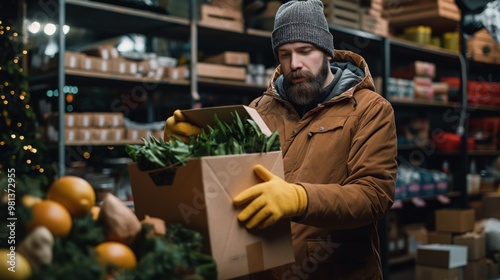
(296,62)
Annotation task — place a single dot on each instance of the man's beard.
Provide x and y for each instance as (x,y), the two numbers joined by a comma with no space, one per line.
(309,89)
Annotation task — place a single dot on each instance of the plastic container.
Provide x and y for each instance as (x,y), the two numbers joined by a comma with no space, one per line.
(451,41)
(420,34)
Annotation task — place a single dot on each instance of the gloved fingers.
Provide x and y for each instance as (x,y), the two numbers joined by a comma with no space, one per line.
(271,220)
(260,219)
(186,129)
(263,173)
(179,116)
(247,195)
(167,131)
(251,209)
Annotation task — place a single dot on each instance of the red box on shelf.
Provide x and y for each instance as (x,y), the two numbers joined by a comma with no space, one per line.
(450,142)
(478,93)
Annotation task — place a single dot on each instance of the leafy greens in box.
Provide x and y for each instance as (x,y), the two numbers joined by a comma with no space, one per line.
(238,136)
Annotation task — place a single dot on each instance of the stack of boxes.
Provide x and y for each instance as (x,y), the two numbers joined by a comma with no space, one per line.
(455,233)
(342,13)
(229,65)
(223,14)
(421,75)
(106,60)
(371,18)
(96,128)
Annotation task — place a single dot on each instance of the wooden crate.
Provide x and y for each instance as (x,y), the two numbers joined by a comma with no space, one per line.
(371,21)
(343,13)
(481,47)
(221,18)
(440,15)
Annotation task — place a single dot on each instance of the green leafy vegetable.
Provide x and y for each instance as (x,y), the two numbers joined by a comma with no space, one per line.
(237,137)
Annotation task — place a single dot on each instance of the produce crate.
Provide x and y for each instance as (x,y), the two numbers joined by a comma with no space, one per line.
(221,18)
(481,47)
(343,13)
(440,15)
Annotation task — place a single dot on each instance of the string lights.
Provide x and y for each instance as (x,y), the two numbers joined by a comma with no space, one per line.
(19,147)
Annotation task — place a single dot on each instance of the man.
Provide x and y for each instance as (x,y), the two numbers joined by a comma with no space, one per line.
(339,150)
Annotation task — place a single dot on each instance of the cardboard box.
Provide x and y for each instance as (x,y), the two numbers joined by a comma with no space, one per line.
(442,255)
(102,51)
(435,237)
(455,220)
(210,70)
(475,242)
(434,273)
(491,205)
(85,134)
(493,269)
(200,197)
(416,236)
(90,63)
(70,134)
(136,134)
(107,119)
(230,58)
(222,18)
(217,71)
(476,270)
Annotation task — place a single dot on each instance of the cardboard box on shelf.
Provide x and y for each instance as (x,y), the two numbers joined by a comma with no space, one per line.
(229,58)
(221,18)
(107,119)
(343,13)
(117,134)
(434,273)
(476,245)
(90,63)
(120,66)
(416,235)
(200,197)
(416,68)
(70,134)
(72,60)
(454,220)
(435,237)
(210,70)
(442,255)
(85,134)
(491,205)
(229,4)
(105,51)
(136,134)
(476,270)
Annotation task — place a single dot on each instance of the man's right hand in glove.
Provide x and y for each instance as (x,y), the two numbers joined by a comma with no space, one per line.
(178,126)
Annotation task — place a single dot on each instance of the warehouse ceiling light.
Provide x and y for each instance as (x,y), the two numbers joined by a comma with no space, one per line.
(49,29)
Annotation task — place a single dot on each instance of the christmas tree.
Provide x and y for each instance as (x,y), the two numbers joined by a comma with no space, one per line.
(22,170)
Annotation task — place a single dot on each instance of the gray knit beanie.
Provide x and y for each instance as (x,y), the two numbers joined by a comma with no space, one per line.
(302,21)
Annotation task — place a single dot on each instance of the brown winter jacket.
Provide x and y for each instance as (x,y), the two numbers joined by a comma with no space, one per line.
(343,152)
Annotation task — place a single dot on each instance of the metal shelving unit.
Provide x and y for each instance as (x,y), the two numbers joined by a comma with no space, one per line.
(379,52)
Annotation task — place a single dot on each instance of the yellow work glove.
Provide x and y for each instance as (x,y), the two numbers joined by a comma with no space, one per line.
(180,127)
(270,201)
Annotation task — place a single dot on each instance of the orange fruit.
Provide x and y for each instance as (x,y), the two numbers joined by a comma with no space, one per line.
(13,265)
(117,254)
(75,193)
(53,216)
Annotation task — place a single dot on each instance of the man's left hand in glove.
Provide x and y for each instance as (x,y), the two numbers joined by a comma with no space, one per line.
(270,201)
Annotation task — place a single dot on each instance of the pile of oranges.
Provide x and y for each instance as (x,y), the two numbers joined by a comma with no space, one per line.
(67,198)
